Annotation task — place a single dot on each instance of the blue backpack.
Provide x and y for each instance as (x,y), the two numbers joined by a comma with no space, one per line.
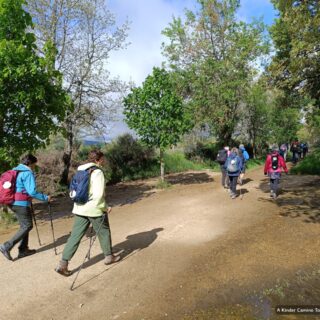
(233,165)
(79,186)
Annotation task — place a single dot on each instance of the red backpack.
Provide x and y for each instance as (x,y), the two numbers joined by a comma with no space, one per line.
(8,186)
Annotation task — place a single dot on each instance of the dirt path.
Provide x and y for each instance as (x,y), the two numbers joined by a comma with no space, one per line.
(188,252)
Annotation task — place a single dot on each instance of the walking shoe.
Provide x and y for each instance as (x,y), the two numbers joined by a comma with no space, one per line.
(5,252)
(233,196)
(26,252)
(111,259)
(62,269)
(271,194)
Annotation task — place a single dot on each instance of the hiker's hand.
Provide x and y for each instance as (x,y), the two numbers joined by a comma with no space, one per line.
(49,199)
(109,210)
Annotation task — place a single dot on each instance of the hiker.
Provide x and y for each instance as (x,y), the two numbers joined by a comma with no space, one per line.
(221,159)
(294,150)
(283,151)
(243,154)
(273,167)
(25,190)
(94,211)
(305,149)
(234,166)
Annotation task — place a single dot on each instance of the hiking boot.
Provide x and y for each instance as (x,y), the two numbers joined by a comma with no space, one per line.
(62,269)
(111,259)
(271,194)
(5,252)
(26,252)
(233,196)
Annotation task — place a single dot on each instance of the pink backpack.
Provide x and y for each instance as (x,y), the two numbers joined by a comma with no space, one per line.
(8,186)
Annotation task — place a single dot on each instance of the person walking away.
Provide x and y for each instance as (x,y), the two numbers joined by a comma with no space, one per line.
(25,190)
(283,151)
(305,149)
(273,167)
(221,159)
(243,154)
(94,211)
(234,166)
(294,150)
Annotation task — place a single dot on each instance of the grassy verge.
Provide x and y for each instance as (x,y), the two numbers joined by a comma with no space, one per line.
(254,163)
(176,162)
(7,219)
(309,165)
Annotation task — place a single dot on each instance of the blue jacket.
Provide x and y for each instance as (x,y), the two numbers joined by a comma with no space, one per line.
(235,157)
(245,154)
(27,182)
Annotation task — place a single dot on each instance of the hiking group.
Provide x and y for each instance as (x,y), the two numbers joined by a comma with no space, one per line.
(233,165)
(87,189)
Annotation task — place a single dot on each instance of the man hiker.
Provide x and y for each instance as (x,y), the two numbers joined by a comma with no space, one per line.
(221,159)
(234,166)
(273,167)
(94,211)
(25,190)
(243,154)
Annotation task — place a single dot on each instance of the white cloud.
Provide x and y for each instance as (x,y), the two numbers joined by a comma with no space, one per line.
(148,18)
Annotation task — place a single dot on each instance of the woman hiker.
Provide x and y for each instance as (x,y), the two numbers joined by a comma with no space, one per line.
(234,166)
(94,211)
(273,167)
(25,190)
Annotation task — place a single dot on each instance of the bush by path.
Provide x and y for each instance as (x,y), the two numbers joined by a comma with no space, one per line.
(309,165)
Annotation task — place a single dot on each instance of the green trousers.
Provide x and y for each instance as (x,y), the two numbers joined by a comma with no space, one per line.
(80,226)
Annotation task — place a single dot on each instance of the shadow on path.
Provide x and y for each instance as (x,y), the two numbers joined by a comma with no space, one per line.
(135,242)
(132,245)
(298,197)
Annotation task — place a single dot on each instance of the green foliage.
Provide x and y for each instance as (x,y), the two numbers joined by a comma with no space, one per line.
(156,112)
(177,162)
(126,157)
(32,102)
(309,165)
(212,56)
(7,218)
(295,66)
(200,152)
(163,184)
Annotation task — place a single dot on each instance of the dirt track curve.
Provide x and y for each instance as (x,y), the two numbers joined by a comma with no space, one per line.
(185,250)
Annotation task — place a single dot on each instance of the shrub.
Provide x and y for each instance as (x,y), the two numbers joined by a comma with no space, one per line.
(126,157)
(201,152)
(309,165)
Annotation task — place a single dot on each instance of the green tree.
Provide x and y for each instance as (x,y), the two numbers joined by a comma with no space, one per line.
(256,116)
(214,57)
(295,67)
(296,64)
(157,113)
(32,102)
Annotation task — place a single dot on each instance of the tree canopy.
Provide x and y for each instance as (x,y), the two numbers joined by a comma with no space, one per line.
(156,112)
(213,55)
(32,102)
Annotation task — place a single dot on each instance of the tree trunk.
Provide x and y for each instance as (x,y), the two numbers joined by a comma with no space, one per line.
(67,155)
(161,165)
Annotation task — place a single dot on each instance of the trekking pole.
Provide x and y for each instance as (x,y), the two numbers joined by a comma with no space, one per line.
(51,222)
(88,253)
(35,222)
(90,240)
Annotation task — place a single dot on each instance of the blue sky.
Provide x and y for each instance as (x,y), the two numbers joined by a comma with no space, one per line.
(147,19)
